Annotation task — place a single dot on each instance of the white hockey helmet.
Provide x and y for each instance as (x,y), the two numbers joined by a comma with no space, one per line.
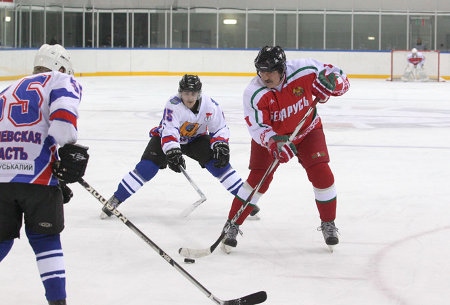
(53,57)
(414,51)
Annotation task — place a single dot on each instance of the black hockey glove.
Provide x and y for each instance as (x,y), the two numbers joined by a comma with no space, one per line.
(66,191)
(72,164)
(175,159)
(221,152)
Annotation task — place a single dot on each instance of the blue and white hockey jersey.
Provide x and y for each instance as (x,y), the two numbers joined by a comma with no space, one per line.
(180,125)
(37,113)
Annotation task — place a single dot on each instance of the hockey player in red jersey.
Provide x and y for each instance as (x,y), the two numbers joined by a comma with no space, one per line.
(275,102)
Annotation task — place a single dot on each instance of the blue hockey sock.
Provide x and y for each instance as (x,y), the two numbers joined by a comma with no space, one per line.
(50,261)
(227,176)
(5,246)
(144,171)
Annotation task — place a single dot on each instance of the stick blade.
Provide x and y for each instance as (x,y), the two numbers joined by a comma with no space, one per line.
(254,298)
(197,253)
(187,211)
(194,253)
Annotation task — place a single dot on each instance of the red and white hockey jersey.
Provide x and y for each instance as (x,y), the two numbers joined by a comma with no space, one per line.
(279,110)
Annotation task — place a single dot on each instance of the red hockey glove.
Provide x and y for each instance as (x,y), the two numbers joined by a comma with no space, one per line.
(328,81)
(324,85)
(281,149)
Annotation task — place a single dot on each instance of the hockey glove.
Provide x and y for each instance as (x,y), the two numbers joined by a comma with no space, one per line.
(175,159)
(221,152)
(66,191)
(281,149)
(328,81)
(72,164)
(324,86)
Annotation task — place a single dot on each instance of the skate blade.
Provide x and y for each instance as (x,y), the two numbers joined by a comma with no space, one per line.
(331,248)
(103,215)
(226,249)
(254,217)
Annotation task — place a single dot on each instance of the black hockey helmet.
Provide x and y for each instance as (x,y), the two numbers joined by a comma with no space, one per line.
(271,59)
(190,83)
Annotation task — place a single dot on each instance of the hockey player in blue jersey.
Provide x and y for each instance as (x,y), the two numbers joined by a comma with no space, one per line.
(193,125)
(38,157)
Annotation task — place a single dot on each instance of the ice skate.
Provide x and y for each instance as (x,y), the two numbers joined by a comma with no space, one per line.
(330,233)
(106,213)
(229,241)
(254,214)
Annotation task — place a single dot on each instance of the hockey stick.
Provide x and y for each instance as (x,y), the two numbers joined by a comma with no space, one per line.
(202,199)
(197,253)
(254,298)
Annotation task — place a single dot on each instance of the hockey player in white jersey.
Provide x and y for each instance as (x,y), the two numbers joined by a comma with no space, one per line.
(415,67)
(38,114)
(193,124)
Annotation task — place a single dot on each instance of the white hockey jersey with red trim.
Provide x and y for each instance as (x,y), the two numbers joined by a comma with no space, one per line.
(416,59)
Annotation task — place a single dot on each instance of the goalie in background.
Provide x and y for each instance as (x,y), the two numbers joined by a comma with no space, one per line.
(415,70)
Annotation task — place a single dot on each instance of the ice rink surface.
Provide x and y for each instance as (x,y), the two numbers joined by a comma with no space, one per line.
(390,151)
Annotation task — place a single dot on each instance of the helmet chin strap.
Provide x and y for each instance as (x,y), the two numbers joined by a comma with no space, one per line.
(282,80)
(196,107)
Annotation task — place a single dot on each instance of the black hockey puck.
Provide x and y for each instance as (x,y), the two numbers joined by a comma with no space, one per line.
(189,260)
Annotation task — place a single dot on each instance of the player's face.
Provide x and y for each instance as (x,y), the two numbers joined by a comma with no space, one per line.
(270,79)
(189,98)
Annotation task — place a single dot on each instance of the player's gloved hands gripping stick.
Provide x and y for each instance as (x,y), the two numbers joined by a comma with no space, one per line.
(66,191)
(281,148)
(72,164)
(175,159)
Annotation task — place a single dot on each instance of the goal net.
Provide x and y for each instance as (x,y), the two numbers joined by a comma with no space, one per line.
(402,71)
